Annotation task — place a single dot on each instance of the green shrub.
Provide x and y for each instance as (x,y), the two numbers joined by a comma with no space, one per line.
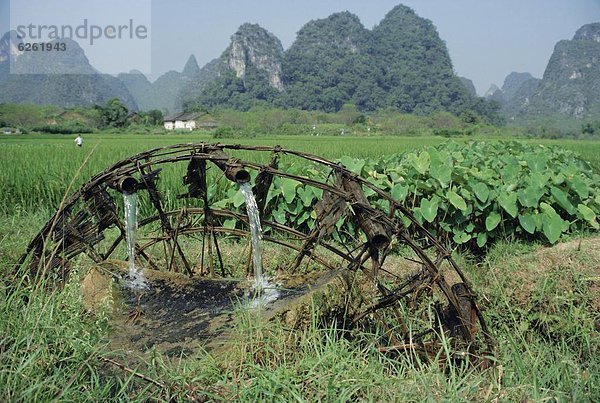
(469,194)
(223,133)
(480,191)
(67,128)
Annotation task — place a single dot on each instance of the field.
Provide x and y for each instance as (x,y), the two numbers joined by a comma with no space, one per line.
(542,304)
(37,169)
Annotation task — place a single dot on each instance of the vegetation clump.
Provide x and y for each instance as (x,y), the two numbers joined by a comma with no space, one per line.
(469,193)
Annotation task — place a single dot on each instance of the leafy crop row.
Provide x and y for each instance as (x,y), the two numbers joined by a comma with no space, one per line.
(469,193)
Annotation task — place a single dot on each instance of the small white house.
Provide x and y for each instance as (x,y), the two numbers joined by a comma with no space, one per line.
(181,121)
(10,130)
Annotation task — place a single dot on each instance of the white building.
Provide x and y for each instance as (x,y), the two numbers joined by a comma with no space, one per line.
(181,121)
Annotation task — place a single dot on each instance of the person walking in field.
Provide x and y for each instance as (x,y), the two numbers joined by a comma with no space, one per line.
(79,141)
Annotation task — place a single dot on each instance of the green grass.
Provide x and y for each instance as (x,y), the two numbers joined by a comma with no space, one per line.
(37,169)
(51,348)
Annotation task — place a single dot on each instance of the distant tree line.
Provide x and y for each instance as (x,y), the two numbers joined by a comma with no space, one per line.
(52,119)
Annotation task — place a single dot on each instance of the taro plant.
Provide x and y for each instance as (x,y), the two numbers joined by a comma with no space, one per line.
(476,192)
(469,193)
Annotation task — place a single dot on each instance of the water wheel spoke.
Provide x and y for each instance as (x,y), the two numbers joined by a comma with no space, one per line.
(263,183)
(211,267)
(386,271)
(198,255)
(148,258)
(202,250)
(178,247)
(149,183)
(218,250)
(112,247)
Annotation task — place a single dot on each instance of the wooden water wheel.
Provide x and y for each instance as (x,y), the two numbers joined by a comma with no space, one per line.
(186,229)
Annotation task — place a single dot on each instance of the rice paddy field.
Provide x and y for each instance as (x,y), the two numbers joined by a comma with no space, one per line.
(38,169)
(543,304)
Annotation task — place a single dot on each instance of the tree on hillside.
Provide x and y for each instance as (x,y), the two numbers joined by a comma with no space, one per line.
(114,113)
(349,114)
(153,117)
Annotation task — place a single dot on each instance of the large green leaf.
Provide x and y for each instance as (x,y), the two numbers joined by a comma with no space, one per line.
(511,170)
(456,200)
(370,192)
(588,215)
(399,192)
(562,199)
(238,199)
(288,187)
(546,208)
(579,186)
(552,226)
(294,208)
(586,212)
(492,220)
(279,216)
(429,209)
(530,196)
(482,239)
(303,217)
(273,192)
(470,227)
(461,237)
(229,223)
(527,221)
(353,164)
(482,192)
(538,180)
(508,201)
(558,179)
(442,173)
(223,203)
(440,167)
(420,162)
(537,162)
(306,195)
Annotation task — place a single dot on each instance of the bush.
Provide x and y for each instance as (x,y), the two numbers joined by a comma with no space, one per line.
(223,133)
(476,192)
(448,132)
(469,194)
(68,128)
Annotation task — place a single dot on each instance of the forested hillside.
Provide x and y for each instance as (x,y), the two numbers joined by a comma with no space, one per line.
(402,63)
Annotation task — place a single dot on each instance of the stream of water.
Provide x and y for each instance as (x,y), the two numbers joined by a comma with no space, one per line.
(255,230)
(264,291)
(137,279)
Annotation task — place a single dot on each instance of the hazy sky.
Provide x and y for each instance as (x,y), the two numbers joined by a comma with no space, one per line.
(487,39)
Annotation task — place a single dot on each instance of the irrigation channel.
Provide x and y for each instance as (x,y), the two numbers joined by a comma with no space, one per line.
(196,250)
